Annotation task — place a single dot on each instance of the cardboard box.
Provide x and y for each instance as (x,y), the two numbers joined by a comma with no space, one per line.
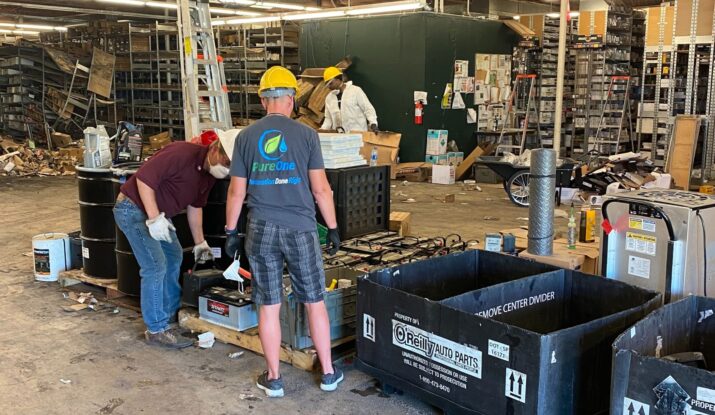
(61,139)
(437,142)
(305,88)
(388,146)
(76,152)
(584,258)
(474,323)
(400,222)
(646,380)
(160,140)
(442,174)
(442,159)
(316,102)
(413,172)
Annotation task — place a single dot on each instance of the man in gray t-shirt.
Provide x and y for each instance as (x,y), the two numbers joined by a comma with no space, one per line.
(278,166)
(275,155)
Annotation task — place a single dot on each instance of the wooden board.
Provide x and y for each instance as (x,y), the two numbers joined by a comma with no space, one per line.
(520,28)
(599,23)
(536,23)
(73,279)
(305,359)
(101,73)
(705,17)
(681,152)
(682,24)
(653,26)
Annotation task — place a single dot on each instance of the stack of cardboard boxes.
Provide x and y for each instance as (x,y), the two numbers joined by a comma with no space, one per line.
(443,162)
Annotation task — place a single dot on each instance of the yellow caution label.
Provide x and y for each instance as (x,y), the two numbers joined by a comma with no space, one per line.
(187,46)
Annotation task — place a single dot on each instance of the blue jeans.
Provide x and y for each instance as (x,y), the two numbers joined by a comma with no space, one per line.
(159,263)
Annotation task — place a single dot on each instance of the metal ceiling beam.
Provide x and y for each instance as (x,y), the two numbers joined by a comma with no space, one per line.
(88,11)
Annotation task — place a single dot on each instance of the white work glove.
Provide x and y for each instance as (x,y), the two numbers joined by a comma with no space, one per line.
(202,253)
(160,228)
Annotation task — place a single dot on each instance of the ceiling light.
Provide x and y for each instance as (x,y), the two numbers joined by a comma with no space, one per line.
(60,28)
(245,13)
(7,24)
(260,6)
(319,15)
(286,6)
(19,32)
(249,20)
(313,9)
(574,14)
(161,4)
(387,8)
(517,17)
(218,22)
(220,10)
(124,2)
(34,26)
(553,15)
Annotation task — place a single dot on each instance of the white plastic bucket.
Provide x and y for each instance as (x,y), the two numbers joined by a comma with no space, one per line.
(51,254)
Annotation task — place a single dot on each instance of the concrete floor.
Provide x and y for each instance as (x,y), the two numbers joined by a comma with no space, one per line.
(110,368)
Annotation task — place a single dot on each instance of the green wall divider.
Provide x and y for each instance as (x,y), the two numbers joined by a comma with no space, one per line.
(393,56)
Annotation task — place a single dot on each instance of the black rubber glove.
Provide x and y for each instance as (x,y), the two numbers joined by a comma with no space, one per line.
(373,128)
(333,241)
(234,243)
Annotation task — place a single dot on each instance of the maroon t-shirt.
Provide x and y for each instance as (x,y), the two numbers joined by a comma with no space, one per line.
(177,175)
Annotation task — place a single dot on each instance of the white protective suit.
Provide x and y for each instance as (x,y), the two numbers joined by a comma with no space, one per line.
(354,114)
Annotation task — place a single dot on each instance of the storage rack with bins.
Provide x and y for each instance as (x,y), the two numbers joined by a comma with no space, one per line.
(247,53)
(25,74)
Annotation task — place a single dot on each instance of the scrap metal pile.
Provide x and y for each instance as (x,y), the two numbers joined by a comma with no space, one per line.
(630,171)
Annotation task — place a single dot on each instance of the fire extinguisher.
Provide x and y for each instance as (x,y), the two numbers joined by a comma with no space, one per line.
(419,110)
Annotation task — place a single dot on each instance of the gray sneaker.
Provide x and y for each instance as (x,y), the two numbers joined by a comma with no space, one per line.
(272,387)
(330,381)
(169,339)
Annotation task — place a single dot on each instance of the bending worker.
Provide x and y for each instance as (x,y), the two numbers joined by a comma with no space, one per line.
(278,166)
(178,177)
(346,106)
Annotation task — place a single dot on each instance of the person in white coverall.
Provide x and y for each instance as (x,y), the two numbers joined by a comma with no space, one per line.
(346,106)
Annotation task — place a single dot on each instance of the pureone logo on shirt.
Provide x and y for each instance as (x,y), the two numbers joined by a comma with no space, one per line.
(272,147)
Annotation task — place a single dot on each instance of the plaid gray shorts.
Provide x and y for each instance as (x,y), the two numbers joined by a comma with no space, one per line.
(268,246)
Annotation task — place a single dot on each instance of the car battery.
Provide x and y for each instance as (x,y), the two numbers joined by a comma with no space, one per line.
(228,308)
(197,281)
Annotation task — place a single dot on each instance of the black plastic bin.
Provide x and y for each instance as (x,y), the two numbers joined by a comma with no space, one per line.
(362,199)
(486,333)
(647,381)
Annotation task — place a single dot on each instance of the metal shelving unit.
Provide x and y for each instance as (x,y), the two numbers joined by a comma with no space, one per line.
(247,53)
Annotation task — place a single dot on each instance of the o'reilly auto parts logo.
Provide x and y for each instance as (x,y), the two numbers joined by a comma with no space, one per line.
(465,359)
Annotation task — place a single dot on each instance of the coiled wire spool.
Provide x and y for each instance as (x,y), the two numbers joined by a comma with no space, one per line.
(542,190)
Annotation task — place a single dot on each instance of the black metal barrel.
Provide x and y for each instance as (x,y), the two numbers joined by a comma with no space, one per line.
(96,200)
(128,278)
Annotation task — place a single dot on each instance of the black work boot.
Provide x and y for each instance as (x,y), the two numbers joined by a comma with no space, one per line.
(169,339)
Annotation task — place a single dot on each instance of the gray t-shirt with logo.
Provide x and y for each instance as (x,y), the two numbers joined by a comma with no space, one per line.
(275,154)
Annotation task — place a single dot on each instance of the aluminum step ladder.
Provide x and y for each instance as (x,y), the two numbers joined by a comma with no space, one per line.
(516,114)
(615,111)
(203,82)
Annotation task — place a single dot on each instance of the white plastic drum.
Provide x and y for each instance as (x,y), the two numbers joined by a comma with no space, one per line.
(51,252)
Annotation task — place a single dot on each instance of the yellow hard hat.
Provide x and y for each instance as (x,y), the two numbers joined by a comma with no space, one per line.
(330,73)
(277,81)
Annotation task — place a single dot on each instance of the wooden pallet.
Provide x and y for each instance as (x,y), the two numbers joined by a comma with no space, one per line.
(305,359)
(73,277)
